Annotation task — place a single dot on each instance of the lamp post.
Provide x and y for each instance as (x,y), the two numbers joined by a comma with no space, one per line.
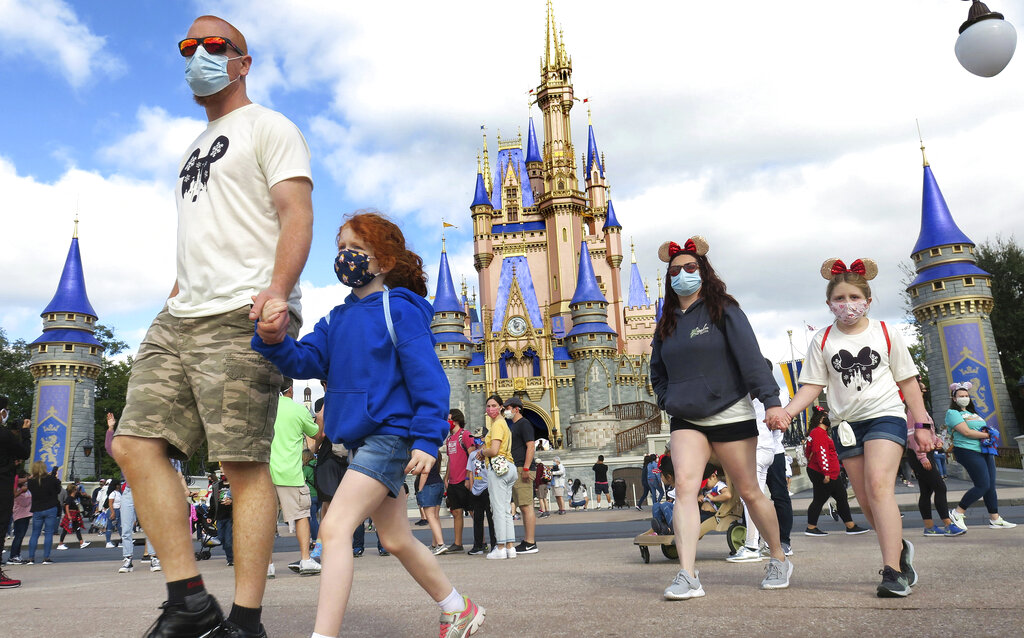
(986,41)
(87,446)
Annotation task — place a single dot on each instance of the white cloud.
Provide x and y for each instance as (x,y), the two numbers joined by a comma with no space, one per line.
(155,148)
(49,32)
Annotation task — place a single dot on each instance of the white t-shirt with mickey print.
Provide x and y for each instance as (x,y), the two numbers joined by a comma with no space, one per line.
(860,371)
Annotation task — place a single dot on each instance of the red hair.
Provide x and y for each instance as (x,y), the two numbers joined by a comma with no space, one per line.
(405,268)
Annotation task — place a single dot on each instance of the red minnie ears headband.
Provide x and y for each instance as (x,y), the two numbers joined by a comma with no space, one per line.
(696,245)
(864,267)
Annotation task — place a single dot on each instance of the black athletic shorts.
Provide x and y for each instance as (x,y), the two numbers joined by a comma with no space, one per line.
(719,433)
(327,476)
(459,497)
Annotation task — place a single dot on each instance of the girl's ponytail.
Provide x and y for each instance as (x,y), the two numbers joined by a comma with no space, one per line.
(408,273)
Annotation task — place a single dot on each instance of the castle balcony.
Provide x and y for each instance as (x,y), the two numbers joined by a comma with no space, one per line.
(534,387)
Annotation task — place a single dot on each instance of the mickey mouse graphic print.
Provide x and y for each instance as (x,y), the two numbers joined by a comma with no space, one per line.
(227,223)
(859,371)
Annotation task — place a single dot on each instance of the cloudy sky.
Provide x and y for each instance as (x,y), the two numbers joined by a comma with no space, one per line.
(783,132)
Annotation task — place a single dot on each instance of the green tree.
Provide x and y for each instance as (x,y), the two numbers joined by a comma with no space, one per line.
(111,390)
(1004,260)
(916,346)
(15,379)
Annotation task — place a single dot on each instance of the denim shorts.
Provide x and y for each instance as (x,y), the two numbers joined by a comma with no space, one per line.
(430,495)
(887,428)
(383,457)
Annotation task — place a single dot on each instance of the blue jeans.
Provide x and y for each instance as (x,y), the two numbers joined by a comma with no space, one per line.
(940,462)
(383,457)
(661,517)
(128,526)
(359,538)
(20,527)
(499,490)
(656,487)
(45,520)
(224,535)
(982,470)
(114,520)
(314,518)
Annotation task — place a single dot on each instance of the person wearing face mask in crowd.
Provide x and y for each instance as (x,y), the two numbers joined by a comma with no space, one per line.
(245,219)
(387,403)
(929,480)
(865,366)
(706,366)
(15,446)
(501,477)
(823,470)
(973,447)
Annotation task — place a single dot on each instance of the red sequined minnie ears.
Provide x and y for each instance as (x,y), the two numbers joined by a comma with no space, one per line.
(864,267)
(696,245)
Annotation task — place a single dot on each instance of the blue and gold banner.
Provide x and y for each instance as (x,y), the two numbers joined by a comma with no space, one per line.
(53,412)
(963,348)
(790,374)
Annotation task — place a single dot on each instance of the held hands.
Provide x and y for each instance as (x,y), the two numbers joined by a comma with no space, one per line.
(272,312)
(420,463)
(777,419)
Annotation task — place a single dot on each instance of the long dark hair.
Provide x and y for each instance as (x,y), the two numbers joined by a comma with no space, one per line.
(712,291)
(575,487)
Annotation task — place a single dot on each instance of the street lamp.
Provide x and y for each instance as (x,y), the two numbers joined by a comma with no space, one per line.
(986,41)
(87,446)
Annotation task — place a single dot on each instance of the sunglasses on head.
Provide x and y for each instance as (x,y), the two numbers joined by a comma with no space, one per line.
(691,267)
(212,43)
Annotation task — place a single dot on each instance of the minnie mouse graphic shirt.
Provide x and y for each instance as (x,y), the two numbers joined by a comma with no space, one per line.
(860,371)
(227,222)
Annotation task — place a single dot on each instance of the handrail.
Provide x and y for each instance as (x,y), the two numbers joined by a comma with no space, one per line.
(637,435)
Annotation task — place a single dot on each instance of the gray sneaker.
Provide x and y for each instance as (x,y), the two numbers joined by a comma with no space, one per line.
(684,586)
(907,563)
(894,584)
(776,574)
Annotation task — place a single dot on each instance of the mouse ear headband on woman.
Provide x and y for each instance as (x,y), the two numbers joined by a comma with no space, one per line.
(696,245)
(866,268)
(953,387)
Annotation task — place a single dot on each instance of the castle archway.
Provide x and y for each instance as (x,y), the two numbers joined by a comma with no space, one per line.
(543,425)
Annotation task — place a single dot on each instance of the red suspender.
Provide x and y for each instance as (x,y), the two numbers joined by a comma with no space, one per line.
(824,337)
(885,331)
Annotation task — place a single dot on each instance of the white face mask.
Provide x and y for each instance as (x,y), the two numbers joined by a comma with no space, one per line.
(507,414)
(963,401)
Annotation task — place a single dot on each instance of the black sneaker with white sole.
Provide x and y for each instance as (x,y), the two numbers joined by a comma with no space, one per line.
(894,584)
(815,531)
(526,548)
(856,529)
(197,616)
(476,551)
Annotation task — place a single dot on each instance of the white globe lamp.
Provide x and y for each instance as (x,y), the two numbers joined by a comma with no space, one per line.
(986,41)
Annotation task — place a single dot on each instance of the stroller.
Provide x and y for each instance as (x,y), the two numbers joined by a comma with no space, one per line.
(205,528)
(619,493)
(728,519)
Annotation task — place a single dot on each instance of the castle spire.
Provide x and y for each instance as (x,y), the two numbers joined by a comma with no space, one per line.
(532,148)
(445,298)
(611,221)
(71,295)
(937,225)
(593,157)
(589,307)
(487,161)
(637,291)
(586,282)
(480,195)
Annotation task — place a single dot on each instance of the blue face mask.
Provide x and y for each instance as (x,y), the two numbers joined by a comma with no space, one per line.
(207,73)
(686,283)
(353,268)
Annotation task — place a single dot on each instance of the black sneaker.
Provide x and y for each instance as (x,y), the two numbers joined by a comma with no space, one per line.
(907,563)
(421,522)
(455,549)
(476,551)
(356,553)
(383,552)
(894,584)
(228,629)
(191,619)
(47,561)
(815,531)
(526,548)
(856,529)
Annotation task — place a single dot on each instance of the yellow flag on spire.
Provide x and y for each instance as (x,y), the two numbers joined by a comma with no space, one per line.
(447,225)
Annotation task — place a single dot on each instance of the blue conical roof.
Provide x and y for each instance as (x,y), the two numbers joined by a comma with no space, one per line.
(611,221)
(637,293)
(480,197)
(445,298)
(532,148)
(937,225)
(659,305)
(586,283)
(592,154)
(71,295)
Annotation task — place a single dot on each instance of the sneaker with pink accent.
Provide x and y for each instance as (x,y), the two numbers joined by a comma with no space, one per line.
(459,624)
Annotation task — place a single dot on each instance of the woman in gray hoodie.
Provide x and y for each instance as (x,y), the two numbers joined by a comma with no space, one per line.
(705,368)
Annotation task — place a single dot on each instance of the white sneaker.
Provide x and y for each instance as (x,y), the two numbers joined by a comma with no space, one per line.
(111,546)
(745,555)
(498,553)
(511,551)
(958,518)
(85,544)
(154,564)
(309,567)
(270,570)
(62,547)
(999,523)
(126,566)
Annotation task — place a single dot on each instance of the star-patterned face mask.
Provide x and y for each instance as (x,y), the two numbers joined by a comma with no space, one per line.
(353,268)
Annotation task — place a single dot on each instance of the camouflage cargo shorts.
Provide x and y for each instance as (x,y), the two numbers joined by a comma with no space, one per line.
(196,378)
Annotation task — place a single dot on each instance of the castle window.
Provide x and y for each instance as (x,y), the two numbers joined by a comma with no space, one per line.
(42,347)
(92,350)
(935,252)
(592,337)
(565,235)
(590,305)
(938,285)
(913,292)
(958,248)
(563,365)
(555,280)
(444,346)
(476,370)
(968,281)
(917,257)
(69,347)
(462,347)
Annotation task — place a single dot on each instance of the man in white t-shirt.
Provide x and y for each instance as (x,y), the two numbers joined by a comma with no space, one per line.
(245,219)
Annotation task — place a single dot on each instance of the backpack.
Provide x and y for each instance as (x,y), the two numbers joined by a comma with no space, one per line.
(545,475)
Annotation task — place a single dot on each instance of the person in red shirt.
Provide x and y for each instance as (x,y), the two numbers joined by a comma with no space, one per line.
(458,445)
(823,470)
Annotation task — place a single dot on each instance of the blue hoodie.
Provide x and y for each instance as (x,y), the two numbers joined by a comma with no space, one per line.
(372,387)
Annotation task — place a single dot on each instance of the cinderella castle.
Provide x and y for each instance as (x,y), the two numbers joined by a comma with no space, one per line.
(553,325)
